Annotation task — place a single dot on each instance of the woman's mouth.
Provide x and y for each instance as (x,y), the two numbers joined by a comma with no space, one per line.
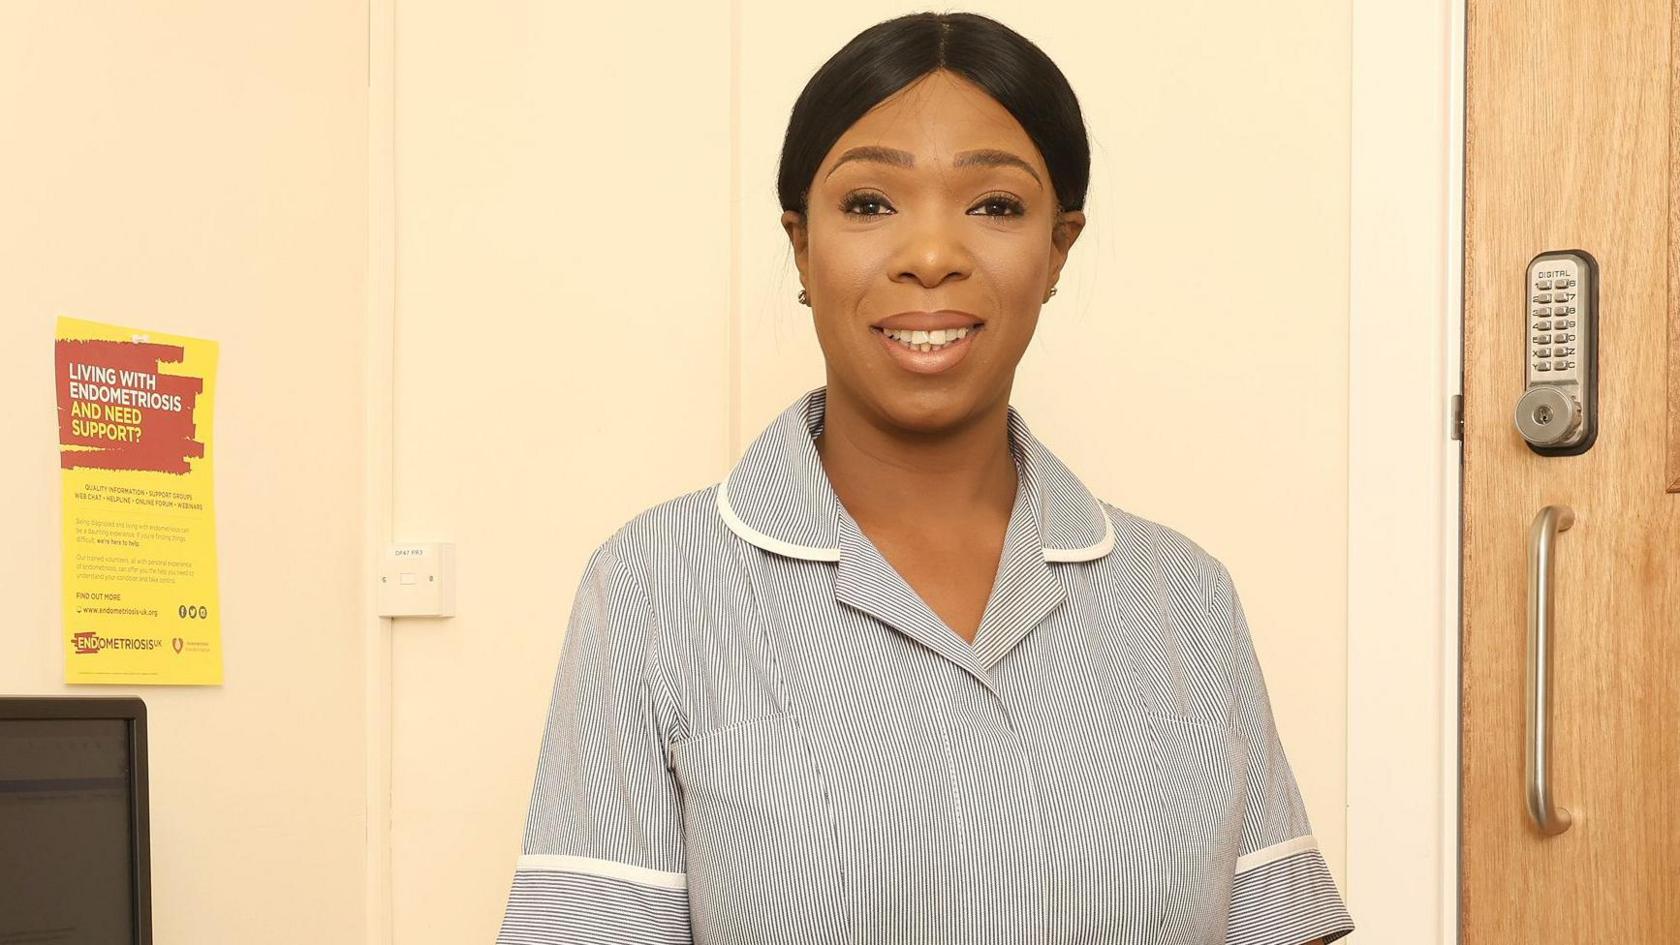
(928,352)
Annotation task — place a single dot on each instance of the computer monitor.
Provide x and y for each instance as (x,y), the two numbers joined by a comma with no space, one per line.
(75,864)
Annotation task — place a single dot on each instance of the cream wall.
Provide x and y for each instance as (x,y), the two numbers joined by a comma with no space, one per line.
(201,168)
(563,281)
(585,226)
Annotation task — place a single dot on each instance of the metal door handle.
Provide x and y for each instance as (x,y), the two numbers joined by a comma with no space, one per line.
(1548,522)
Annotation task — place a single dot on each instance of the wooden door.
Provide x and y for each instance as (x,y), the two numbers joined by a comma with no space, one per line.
(1569,144)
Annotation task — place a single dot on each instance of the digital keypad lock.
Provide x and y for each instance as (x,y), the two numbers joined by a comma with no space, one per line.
(1558,411)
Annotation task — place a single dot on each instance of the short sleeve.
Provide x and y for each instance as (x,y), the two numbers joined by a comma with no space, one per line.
(1283,893)
(603,857)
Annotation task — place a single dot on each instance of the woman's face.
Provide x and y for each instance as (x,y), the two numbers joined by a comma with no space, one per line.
(936,201)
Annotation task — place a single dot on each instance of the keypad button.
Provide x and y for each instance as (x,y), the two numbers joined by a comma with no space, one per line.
(1543,298)
(1543,365)
(1543,353)
(1544,324)
(1560,364)
(1542,339)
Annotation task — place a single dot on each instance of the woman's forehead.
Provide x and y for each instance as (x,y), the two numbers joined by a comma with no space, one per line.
(938,113)
(937,141)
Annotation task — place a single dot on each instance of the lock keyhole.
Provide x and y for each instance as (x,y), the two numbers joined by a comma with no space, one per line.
(1543,414)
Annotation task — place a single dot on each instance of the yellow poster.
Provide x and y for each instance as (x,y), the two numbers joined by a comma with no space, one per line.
(140,584)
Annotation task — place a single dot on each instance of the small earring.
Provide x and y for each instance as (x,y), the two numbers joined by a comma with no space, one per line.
(803,298)
(1052,292)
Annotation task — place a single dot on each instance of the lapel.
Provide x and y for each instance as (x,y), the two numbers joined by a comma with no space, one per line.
(778,498)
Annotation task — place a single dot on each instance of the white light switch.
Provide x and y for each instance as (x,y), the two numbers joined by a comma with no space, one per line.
(417,580)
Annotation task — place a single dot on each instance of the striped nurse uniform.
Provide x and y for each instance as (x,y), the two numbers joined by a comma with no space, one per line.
(760,734)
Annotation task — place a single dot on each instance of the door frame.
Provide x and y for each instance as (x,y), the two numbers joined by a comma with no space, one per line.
(1404,475)
(379,462)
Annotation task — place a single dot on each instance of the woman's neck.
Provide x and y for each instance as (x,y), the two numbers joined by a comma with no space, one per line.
(948,480)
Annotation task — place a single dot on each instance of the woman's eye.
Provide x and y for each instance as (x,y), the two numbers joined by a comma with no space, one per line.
(863,200)
(1010,204)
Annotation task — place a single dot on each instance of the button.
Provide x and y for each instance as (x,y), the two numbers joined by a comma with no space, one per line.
(1543,298)
(1543,353)
(1544,324)
(1542,339)
(1542,365)
(1561,364)
(1543,284)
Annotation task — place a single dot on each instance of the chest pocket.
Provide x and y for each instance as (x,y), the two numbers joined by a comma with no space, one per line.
(1200,784)
(763,864)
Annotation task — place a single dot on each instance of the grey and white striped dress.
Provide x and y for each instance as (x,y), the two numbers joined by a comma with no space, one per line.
(760,733)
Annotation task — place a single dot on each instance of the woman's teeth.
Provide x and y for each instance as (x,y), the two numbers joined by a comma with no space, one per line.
(927,340)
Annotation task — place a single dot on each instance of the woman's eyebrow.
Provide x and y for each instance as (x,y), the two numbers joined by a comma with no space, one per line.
(980,157)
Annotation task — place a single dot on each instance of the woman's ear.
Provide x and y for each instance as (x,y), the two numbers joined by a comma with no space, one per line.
(1063,232)
(794,223)
(1066,229)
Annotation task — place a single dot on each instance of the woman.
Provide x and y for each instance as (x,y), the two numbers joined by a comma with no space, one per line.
(900,677)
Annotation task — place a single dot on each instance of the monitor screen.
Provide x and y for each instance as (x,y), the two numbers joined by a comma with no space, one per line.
(73,864)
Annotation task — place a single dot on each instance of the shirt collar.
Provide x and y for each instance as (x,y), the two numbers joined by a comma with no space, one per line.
(778,496)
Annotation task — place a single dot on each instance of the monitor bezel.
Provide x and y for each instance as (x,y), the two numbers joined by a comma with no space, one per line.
(131,710)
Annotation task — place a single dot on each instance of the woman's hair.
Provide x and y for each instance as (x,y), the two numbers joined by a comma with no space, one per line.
(890,55)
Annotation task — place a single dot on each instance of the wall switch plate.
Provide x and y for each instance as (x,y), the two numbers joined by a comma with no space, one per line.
(417,580)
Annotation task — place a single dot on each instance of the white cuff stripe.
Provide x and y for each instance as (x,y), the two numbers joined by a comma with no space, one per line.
(611,869)
(1276,851)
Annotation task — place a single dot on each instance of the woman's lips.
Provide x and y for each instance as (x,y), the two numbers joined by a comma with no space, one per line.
(929,362)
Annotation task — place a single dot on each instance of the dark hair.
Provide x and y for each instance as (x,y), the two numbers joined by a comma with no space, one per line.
(892,54)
